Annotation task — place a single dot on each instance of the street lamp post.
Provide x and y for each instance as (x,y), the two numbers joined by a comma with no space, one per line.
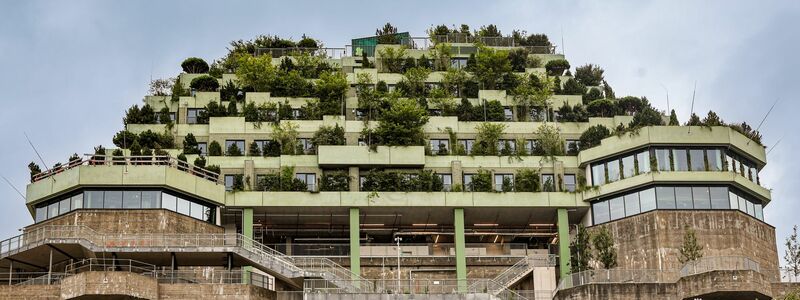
(398,239)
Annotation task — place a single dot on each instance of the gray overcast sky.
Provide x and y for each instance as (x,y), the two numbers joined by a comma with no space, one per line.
(71,68)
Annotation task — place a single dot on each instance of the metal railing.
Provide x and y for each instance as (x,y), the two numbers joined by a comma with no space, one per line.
(109,264)
(110,160)
(522,268)
(213,277)
(334,53)
(258,253)
(407,249)
(417,286)
(33,278)
(617,276)
(719,263)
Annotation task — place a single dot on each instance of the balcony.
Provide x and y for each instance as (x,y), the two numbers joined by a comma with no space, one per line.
(338,156)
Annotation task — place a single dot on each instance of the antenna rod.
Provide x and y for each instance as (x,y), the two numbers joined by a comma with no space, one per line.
(13,187)
(667,91)
(692,110)
(37,153)
(765,118)
(776,144)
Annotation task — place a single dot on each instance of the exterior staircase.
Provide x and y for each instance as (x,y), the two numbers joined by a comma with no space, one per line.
(511,276)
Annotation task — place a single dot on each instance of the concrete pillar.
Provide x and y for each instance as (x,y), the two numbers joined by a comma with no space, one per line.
(563,242)
(558,173)
(247,231)
(457,173)
(181,116)
(355,242)
(354,179)
(461,259)
(249,173)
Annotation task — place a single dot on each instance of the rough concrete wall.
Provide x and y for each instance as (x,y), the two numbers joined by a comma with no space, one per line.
(110,284)
(698,285)
(624,291)
(39,292)
(780,289)
(439,268)
(651,240)
(133,221)
(399,297)
(213,291)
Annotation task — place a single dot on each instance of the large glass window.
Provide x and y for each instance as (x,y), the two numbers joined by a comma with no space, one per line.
(468,182)
(229,179)
(701,197)
(52,210)
(662,159)
(601,213)
(506,147)
(77,201)
(503,180)
(192,114)
(197,211)
(714,159)
(613,170)
(628,166)
(734,200)
(683,197)
(310,179)
(759,212)
(41,214)
(169,202)
(447,181)
(647,198)
(698,159)
(183,206)
(151,199)
(112,199)
(719,197)
(63,206)
(679,160)
(467,145)
(239,145)
(440,146)
(598,174)
(203,146)
(616,208)
(132,199)
(548,183)
(632,204)
(94,199)
(569,182)
(643,161)
(665,197)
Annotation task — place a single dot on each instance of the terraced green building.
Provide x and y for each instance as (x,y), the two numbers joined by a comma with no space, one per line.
(454,166)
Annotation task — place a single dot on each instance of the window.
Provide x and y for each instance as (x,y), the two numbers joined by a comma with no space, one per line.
(63,206)
(239,144)
(196,211)
(183,206)
(529,146)
(192,114)
(94,199)
(662,159)
(169,202)
(229,179)
(151,199)
(734,200)
(361,180)
(698,159)
(701,197)
(683,197)
(447,181)
(759,212)
(751,209)
(571,147)
(714,159)
(310,179)
(203,148)
(467,145)
(509,114)
(601,213)
(665,197)
(731,163)
(440,146)
(743,204)
(41,214)
(616,208)
(112,199)
(719,198)
(643,161)
(598,174)
(569,182)
(296,113)
(613,170)
(647,198)
(628,166)
(132,199)
(458,63)
(77,201)
(305,145)
(52,210)
(510,149)
(680,161)
(631,204)
(548,183)
(503,182)
(468,182)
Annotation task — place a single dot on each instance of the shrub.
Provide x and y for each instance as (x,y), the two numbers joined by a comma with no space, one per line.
(338,181)
(190,144)
(481,181)
(200,162)
(593,94)
(490,67)
(494,111)
(256,73)
(401,124)
(549,141)
(154,140)
(519,59)
(601,108)
(213,168)
(205,83)
(329,135)
(593,135)
(488,134)
(233,150)
(392,59)
(214,149)
(387,34)
(556,67)
(283,180)
(254,150)
(646,117)
(271,148)
(589,74)
(331,88)
(420,181)
(194,65)
(526,180)
(307,42)
(573,87)
(575,113)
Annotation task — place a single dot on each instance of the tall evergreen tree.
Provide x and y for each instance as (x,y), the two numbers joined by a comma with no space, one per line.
(690,250)
(581,250)
(604,245)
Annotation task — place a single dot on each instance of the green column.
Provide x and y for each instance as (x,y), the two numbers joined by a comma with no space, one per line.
(461,259)
(355,243)
(563,242)
(247,231)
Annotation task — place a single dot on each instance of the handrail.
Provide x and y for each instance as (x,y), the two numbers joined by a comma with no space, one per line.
(137,160)
(328,52)
(259,253)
